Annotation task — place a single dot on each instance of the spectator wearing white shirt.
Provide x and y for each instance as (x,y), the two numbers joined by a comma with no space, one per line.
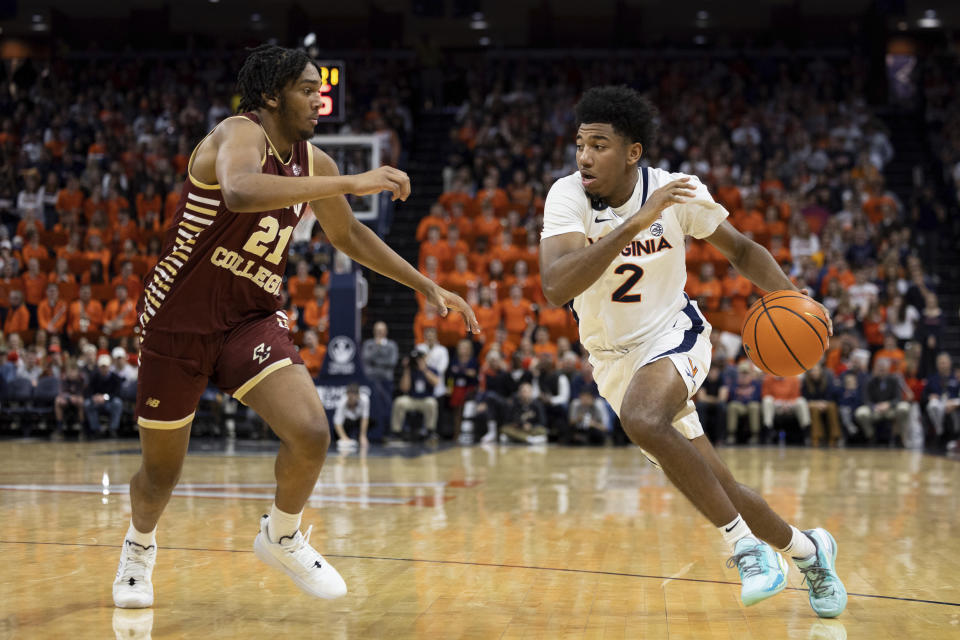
(352,413)
(438,359)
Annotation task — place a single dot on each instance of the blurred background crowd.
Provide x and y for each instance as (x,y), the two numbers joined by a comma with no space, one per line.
(856,198)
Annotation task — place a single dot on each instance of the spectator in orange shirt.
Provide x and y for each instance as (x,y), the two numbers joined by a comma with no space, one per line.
(72,249)
(892,352)
(779,251)
(33,248)
(530,285)
(451,329)
(728,193)
(479,257)
(94,274)
(9,281)
(129,253)
(505,252)
(316,313)
(125,229)
(30,222)
(97,252)
(518,231)
(782,395)
(487,225)
(18,316)
(120,315)
(70,198)
(34,282)
(150,224)
(501,343)
(114,203)
(86,314)
(737,289)
(706,289)
(52,312)
(519,190)
(496,279)
(61,273)
(97,151)
(99,226)
(300,287)
(749,218)
(530,253)
(458,220)
(517,314)
(69,223)
(775,226)
(461,280)
(558,321)
(129,279)
(493,194)
(312,353)
(873,206)
(542,344)
(454,246)
(93,204)
(425,318)
(433,247)
(149,201)
(488,313)
(433,219)
(459,191)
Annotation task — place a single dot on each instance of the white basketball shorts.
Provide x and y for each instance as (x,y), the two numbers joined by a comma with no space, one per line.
(686,341)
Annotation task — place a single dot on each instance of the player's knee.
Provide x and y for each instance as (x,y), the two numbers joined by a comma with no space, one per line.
(161,477)
(312,437)
(644,427)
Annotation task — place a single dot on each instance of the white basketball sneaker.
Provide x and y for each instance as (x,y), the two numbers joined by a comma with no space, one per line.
(294,555)
(133,586)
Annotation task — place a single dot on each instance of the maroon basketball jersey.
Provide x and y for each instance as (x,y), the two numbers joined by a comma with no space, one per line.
(218,268)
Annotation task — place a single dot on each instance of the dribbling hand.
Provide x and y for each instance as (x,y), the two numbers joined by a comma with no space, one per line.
(382,179)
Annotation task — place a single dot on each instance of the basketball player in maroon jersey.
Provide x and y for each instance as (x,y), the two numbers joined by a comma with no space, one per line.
(210,311)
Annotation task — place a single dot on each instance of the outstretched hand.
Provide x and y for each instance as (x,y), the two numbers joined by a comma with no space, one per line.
(381,179)
(445,300)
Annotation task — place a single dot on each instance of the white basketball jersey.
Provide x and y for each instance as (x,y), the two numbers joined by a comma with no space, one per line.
(643,287)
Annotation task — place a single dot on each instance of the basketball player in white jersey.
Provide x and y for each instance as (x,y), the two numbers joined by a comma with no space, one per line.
(613,243)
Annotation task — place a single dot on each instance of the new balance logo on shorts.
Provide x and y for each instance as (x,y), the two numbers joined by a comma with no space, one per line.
(261,353)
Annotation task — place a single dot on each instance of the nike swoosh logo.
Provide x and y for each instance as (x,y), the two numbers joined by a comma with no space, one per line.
(731,527)
(598,220)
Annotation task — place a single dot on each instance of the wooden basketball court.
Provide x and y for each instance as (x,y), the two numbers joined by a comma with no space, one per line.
(499,542)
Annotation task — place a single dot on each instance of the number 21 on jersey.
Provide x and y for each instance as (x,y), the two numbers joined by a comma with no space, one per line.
(259,241)
(622,293)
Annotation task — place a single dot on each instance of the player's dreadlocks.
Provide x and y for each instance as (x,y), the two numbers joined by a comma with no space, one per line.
(267,70)
(629,113)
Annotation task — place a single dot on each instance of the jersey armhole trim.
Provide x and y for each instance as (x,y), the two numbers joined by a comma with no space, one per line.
(215,186)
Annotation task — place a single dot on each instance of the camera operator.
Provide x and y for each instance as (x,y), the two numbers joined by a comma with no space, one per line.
(417,383)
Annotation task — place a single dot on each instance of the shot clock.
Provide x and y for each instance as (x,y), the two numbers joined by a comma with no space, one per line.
(331,91)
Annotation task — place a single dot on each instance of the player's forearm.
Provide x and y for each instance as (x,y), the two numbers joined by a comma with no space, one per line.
(570,275)
(254,192)
(364,246)
(759,267)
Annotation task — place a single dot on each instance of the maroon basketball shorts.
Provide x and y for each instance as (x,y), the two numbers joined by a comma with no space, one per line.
(175,367)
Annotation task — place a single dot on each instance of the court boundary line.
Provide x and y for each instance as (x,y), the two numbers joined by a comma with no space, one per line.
(642,576)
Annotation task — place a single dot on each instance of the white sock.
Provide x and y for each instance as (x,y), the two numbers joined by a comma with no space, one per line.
(282,524)
(735,530)
(143,539)
(800,547)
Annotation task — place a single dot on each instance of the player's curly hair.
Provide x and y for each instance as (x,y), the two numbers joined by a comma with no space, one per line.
(267,70)
(629,113)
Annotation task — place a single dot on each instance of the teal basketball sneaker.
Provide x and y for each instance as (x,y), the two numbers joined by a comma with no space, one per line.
(828,596)
(763,571)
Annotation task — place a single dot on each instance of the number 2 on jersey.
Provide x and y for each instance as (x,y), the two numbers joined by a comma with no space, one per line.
(622,294)
(259,241)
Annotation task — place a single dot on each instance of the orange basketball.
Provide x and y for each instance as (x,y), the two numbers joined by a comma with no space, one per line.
(785,333)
